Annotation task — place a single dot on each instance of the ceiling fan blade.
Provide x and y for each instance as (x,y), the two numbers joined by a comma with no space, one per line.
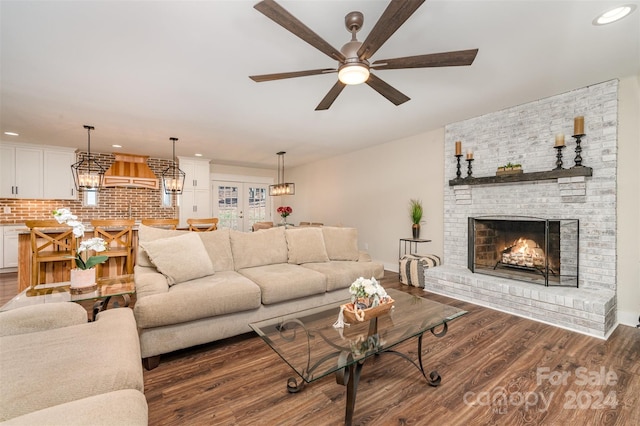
(283,75)
(445,59)
(393,95)
(396,13)
(326,102)
(281,16)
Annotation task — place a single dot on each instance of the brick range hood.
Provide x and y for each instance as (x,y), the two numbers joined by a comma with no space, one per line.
(130,171)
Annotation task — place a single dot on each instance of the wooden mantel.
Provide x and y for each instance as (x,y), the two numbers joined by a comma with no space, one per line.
(524,177)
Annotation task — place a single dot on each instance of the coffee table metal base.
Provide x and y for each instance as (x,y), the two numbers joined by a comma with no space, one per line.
(349,376)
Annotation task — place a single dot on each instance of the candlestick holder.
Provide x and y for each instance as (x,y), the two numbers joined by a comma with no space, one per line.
(469,160)
(559,157)
(578,159)
(458,172)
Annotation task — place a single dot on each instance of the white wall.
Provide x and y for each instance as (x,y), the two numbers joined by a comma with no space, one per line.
(243,171)
(629,200)
(370,190)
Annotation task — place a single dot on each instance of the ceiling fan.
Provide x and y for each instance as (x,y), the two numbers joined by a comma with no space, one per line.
(353,58)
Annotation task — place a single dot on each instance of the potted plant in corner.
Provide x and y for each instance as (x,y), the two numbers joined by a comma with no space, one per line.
(415,211)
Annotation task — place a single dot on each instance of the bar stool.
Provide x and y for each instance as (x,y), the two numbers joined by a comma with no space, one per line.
(118,235)
(161,223)
(53,248)
(203,225)
(261,225)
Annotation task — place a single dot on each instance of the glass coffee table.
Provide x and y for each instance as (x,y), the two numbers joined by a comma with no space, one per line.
(313,348)
(102,292)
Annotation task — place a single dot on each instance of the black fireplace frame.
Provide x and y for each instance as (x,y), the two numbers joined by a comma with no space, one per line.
(558,279)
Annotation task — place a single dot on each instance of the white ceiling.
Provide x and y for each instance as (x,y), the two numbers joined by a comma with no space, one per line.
(144,71)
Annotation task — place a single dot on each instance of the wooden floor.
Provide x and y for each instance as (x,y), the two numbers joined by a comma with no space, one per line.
(8,287)
(497,369)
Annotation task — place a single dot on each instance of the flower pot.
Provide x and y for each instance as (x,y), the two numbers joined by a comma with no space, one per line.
(83,278)
(415,228)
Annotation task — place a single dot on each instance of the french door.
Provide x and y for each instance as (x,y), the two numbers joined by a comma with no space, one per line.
(238,205)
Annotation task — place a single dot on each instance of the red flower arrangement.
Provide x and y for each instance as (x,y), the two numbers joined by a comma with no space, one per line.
(284,211)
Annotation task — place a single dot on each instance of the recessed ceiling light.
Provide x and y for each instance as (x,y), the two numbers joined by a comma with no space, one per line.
(117,146)
(11,134)
(198,155)
(613,15)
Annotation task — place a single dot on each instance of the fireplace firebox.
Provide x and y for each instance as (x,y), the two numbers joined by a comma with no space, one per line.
(536,250)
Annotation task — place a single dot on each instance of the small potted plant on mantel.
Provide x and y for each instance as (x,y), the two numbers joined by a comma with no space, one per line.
(509,169)
(415,211)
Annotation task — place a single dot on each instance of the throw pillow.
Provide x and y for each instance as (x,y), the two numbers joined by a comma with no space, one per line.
(341,243)
(306,245)
(250,249)
(218,246)
(180,258)
(149,233)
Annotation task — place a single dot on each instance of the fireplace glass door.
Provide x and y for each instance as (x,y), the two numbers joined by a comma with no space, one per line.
(539,251)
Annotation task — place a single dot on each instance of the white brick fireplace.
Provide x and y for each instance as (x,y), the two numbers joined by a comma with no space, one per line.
(525,134)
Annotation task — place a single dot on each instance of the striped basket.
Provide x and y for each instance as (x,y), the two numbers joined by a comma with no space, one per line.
(412,268)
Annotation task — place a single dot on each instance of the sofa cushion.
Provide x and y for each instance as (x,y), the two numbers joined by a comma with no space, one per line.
(149,233)
(180,258)
(117,408)
(226,292)
(44,369)
(341,243)
(284,281)
(29,319)
(340,273)
(306,245)
(218,247)
(251,249)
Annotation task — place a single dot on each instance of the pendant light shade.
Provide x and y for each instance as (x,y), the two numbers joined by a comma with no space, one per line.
(282,187)
(88,174)
(172,176)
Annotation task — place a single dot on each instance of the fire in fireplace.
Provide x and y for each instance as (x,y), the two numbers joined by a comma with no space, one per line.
(524,253)
(540,251)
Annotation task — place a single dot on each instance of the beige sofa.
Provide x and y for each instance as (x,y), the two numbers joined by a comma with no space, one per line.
(195,288)
(58,369)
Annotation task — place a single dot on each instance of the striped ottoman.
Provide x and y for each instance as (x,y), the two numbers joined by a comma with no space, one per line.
(412,268)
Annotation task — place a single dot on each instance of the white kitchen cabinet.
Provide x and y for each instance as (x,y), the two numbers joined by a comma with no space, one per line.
(22,171)
(36,171)
(195,200)
(58,179)
(10,245)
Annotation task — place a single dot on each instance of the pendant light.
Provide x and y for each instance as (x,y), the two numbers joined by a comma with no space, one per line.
(172,176)
(281,188)
(88,174)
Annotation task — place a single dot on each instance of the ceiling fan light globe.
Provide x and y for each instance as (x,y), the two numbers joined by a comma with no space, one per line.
(353,74)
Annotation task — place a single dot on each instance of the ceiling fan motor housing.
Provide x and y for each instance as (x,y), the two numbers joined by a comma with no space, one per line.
(353,21)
